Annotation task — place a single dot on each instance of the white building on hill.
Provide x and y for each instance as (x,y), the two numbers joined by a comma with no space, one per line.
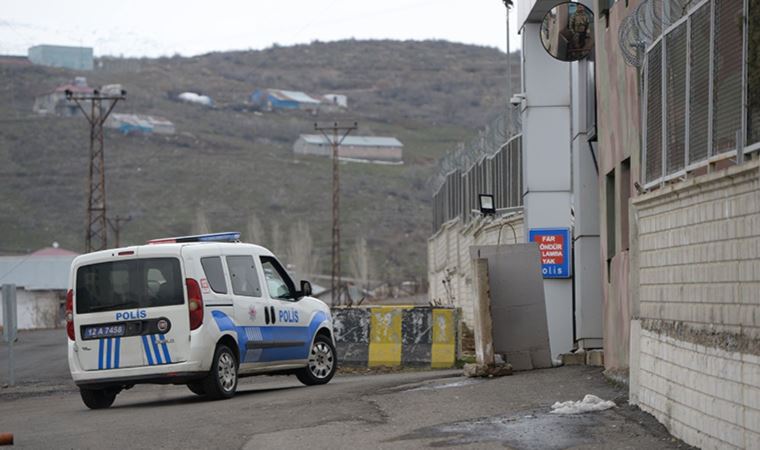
(373,148)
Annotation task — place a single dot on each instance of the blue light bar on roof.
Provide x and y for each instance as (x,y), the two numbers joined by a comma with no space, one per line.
(228,236)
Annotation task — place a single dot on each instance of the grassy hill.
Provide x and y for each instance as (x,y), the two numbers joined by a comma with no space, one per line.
(228,163)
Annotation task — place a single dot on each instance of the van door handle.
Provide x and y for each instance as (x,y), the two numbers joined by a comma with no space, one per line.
(266,315)
(272,314)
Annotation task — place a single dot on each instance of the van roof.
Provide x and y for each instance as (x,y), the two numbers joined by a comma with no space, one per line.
(168,249)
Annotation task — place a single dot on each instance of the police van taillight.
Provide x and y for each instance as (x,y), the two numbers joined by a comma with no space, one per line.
(194,303)
(70,314)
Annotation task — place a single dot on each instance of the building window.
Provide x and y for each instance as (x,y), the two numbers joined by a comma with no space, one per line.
(753,73)
(610,213)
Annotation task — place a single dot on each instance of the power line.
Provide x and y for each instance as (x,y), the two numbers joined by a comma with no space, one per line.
(335,282)
(97,224)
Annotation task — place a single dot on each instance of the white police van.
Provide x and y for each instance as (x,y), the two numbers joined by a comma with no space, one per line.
(196,310)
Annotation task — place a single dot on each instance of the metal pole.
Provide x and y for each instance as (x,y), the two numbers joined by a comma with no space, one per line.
(335,279)
(9,327)
(335,219)
(97,232)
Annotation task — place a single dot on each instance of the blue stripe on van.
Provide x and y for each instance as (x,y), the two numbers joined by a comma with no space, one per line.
(100,354)
(147,350)
(155,348)
(117,353)
(108,353)
(167,358)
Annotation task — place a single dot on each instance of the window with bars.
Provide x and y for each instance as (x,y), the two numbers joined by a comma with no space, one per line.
(753,73)
(653,154)
(697,85)
(675,82)
(699,80)
(727,75)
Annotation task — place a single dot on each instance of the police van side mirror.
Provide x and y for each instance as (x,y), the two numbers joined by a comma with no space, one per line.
(305,289)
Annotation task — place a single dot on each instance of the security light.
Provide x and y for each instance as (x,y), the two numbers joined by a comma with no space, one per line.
(486,204)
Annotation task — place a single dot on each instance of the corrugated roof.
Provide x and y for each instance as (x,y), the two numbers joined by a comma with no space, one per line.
(358,141)
(36,272)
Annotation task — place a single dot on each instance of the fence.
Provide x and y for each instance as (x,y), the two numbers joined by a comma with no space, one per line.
(499,174)
(701,74)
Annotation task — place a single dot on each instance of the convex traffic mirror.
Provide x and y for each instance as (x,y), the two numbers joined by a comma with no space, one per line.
(567,31)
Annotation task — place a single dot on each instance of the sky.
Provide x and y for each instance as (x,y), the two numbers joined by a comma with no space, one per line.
(191,27)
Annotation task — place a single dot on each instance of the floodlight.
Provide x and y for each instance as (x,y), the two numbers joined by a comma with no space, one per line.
(487,206)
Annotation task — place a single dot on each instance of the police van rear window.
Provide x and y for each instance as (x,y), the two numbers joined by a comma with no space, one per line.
(135,283)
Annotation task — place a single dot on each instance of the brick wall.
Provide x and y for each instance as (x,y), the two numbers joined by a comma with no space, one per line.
(695,288)
(449,258)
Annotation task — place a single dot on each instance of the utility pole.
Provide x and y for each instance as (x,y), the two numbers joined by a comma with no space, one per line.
(510,108)
(335,282)
(115,225)
(97,232)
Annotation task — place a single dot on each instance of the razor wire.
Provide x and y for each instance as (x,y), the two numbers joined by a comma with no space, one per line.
(488,141)
(646,23)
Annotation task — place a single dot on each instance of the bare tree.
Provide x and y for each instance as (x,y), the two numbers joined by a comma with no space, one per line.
(200,224)
(301,250)
(255,230)
(276,244)
(360,264)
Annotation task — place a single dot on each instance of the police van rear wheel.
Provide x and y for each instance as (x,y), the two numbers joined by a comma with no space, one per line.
(221,381)
(98,398)
(322,363)
(197,387)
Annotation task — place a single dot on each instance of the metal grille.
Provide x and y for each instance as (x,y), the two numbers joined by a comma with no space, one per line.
(727,84)
(699,80)
(654,114)
(753,73)
(675,54)
(500,175)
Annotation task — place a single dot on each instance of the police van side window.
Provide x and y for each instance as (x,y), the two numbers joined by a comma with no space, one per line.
(278,282)
(212,267)
(243,275)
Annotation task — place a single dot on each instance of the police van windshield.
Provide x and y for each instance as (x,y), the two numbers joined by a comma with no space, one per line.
(135,283)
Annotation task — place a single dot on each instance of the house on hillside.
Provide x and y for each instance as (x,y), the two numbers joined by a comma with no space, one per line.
(139,124)
(278,99)
(13,60)
(336,101)
(371,148)
(41,280)
(55,102)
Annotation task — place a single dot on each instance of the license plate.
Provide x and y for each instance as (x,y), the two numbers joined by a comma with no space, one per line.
(103,331)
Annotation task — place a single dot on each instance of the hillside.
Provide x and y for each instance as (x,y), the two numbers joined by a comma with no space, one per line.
(226,164)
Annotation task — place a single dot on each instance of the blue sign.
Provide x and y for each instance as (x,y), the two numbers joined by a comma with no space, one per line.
(554,245)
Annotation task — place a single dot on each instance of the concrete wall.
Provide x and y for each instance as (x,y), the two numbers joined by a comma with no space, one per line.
(695,296)
(450,272)
(37,309)
(619,128)
(397,336)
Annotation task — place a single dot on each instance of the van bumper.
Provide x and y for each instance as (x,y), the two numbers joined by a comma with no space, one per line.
(178,373)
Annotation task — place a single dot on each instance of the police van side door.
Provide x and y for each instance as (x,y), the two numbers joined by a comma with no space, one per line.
(251,309)
(290,334)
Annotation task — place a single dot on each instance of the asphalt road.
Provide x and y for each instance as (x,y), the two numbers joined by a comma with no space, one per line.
(397,410)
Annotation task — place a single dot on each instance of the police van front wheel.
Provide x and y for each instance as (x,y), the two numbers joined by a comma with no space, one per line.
(322,363)
(98,398)
(221,381)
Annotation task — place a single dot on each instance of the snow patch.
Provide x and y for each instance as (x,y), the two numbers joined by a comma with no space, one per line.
(590,403)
